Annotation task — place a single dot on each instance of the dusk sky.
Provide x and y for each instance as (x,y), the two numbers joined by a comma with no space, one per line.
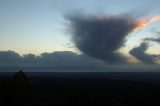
(39,26)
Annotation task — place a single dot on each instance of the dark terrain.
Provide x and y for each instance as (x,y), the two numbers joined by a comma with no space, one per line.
(76,90)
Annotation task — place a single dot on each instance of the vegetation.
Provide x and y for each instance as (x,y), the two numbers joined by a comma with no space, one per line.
(44,91)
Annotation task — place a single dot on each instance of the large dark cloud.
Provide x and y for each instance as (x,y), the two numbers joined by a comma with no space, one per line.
(140,53)
(62,59)
(101,37)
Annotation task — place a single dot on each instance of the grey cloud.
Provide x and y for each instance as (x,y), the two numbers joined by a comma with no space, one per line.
(101,37)
(139,53)
(62,59)
(153,39)
(7,58)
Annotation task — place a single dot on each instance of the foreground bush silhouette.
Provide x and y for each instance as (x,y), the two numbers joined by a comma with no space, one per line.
(45,91)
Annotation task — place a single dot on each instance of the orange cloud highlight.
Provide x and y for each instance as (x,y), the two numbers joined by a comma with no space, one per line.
(143,23)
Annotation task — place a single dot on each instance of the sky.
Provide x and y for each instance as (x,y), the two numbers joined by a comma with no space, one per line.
(43,26)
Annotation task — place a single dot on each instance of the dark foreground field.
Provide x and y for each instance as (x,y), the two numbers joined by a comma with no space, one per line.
(76,90)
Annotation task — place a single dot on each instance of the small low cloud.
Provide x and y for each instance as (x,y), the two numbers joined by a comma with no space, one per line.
(59,59)
(140,53)
(152,40)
